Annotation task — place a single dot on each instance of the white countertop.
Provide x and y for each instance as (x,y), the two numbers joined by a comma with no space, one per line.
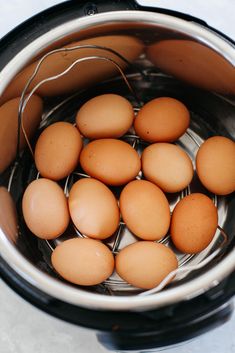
(25,329)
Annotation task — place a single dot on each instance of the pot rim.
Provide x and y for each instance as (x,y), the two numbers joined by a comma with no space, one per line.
(66,292)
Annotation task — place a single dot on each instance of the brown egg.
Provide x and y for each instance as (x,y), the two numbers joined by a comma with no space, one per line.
(82,75)
(45,209)
(145,264)
(83,261)
(193,224)
(162,119)
(215,164)
(9,127)
(57,150)
(168,166)
(194,63)
(145,210)
(93,208)
(108,115)
(112,161)
(8,215)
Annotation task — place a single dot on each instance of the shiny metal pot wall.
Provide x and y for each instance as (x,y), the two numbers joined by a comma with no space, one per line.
(180,58)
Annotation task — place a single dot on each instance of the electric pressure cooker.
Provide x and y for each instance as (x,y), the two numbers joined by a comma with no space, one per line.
(161,52)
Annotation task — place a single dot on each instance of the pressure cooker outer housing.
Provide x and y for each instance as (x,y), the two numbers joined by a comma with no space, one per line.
(158,326)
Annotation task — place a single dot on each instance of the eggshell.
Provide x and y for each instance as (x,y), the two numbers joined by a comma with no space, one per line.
(57,150)
(8,215)
(9,127)
(82,75)
(145,264)
(45,209)
(195,63)
(193,224)
(215,164)
(145,210)
(83,261)
(108,115)
(93,208)
(112,161)
(168,166)
(162,119)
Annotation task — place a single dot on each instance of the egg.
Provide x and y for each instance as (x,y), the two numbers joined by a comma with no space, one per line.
(215,164)
(9,223)
(57,150)
(162,119)
(145,210)
(168,166)
(93,208)
(83,75)
(194,63)
(113,162)
(105,116)
(194,222)
(82,261)
(9,127)
(145,264)
(45,209)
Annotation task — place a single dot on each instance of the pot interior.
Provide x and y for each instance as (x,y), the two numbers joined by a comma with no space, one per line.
(165,58)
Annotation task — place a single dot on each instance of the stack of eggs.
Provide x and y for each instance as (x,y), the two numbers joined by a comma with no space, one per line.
(143,205)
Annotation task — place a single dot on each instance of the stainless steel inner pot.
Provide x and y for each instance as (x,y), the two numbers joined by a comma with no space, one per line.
(177,58)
